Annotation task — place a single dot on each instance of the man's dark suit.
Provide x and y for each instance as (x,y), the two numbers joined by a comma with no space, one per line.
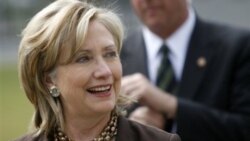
(213,98)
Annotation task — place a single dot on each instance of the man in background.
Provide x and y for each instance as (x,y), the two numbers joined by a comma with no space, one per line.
(207,93)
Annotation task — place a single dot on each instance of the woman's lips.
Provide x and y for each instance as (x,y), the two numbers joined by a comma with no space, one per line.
(100,91)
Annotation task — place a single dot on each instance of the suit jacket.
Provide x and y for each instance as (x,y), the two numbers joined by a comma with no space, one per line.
(127,131)
(213,98)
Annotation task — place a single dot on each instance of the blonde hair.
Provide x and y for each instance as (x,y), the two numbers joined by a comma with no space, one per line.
(61,25)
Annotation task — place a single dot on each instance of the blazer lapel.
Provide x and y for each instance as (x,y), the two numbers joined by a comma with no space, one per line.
(124,132)
(197,59)
(135,58)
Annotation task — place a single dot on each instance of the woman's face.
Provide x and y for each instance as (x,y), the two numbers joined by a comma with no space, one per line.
(90,84)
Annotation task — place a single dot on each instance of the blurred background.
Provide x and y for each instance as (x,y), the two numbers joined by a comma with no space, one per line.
(15,110)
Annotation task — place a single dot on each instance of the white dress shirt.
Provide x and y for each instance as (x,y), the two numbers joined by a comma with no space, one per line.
(177,43)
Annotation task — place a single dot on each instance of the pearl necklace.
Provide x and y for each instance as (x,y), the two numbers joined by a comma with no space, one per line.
(107,134)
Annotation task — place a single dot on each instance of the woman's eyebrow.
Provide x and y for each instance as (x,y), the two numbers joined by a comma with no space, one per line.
(112,46)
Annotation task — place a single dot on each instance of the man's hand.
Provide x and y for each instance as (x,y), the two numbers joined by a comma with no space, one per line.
(138,87)
(147,116)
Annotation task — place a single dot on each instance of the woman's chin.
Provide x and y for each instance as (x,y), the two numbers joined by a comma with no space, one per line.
(105,107)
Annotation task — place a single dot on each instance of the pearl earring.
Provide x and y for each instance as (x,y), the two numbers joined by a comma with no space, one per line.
(54,91)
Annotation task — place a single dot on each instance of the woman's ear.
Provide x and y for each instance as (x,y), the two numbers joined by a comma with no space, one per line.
(49,80)
(51,85)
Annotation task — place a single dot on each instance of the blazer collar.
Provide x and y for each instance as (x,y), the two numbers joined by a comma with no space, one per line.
(124,132)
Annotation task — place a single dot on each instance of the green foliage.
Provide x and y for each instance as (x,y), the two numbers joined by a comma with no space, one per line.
(15,109)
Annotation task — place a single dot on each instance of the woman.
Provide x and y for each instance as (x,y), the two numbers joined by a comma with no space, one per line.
(70,70)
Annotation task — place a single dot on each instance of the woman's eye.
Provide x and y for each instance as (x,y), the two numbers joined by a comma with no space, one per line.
(83,59)
(111,54)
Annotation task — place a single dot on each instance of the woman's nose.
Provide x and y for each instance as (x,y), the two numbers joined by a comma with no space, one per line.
(102,70)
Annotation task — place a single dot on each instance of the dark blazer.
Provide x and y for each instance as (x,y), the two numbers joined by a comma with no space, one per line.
(213,98)
(127,131)
(133,131)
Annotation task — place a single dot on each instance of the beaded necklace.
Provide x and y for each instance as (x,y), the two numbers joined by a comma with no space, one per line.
(108,133)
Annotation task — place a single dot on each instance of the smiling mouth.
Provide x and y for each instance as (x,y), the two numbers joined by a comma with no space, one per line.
(99,89)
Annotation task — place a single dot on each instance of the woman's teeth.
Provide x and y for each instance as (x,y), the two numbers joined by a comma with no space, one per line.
(99,89)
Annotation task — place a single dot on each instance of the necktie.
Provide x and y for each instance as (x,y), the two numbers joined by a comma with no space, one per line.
(166,79)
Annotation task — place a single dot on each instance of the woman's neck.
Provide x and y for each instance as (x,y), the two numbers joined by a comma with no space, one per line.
(85,128)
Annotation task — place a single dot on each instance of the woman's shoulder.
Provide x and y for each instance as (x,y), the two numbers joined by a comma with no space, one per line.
(133,131)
